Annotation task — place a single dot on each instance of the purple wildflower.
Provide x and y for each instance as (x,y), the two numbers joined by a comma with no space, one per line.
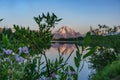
(8,51)
(19,59)
(25,50)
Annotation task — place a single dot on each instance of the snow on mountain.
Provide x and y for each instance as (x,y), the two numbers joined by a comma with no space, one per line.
(66,32)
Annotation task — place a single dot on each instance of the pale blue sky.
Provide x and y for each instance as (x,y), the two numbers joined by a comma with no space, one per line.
(78,14)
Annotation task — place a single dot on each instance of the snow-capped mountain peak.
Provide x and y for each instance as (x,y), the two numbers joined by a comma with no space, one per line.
(66,32)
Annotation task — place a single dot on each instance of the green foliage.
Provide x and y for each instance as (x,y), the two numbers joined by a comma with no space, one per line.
(45,22)
(110,72)
(77,63)
(87,39)
(92,51)
(30,71)
(78,55)
(86,45)
(8,32)
(107,51)
(5,40)
(102,57)
(111,41)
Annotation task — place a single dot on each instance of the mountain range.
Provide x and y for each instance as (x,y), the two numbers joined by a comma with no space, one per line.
(66,33)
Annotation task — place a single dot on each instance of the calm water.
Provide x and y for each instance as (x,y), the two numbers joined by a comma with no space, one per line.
(66,49)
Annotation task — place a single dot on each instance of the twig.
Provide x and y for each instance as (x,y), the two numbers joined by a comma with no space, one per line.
(46,63)
(69,56)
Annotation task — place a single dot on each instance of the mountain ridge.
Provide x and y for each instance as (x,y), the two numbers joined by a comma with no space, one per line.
(66,32)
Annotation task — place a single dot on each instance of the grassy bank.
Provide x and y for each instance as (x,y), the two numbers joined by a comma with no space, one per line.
(110,72)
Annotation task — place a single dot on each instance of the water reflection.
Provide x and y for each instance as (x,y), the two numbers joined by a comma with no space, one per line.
(63,48)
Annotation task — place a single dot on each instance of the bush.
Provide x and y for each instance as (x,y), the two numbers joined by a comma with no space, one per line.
(110,72)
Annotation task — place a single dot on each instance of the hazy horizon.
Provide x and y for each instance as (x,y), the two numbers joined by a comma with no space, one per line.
(77,14)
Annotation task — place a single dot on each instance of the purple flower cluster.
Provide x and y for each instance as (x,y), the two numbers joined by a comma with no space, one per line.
(23,49)
(19,59)
(7,51)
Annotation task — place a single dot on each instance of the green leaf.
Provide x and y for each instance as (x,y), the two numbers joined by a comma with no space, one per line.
(87,39)
(66,69)
(92,50)
(43,15)
(61,60)
(78,55)
(59,20)
(76,62)
(76,45)
(71,68)
(56,63)
(75,77)
(54,15)
(48,16)
(5,40)
(43,67)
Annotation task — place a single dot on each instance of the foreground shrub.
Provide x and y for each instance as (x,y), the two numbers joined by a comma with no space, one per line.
(21,54)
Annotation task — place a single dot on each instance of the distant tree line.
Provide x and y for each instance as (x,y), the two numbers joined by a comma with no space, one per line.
(69,39)
(104,30)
